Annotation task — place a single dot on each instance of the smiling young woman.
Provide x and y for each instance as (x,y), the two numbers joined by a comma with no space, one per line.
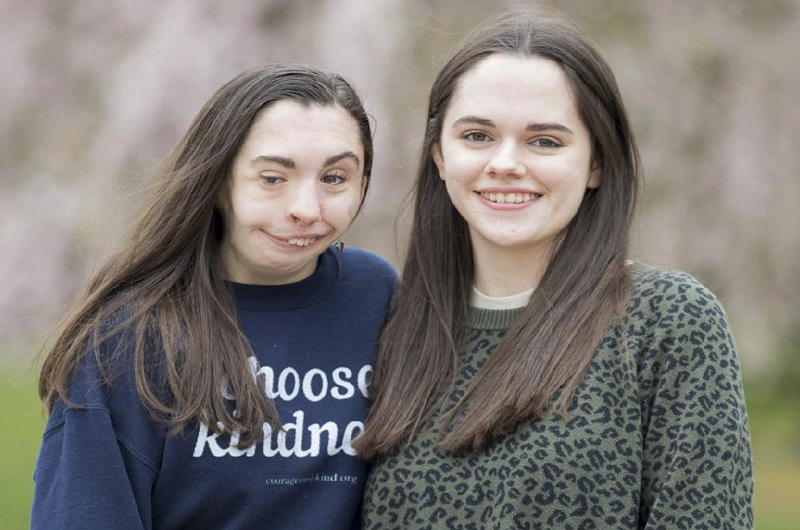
(517,174)
(214,372)
(295,186)
(529,375)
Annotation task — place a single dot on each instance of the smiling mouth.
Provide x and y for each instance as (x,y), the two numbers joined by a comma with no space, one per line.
(509,198)
(302,241)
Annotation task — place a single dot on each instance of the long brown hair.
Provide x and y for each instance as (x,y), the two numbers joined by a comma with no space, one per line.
(545,353)
(165,289)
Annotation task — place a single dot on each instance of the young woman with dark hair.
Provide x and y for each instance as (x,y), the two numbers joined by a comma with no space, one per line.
(529,375)
(214,372)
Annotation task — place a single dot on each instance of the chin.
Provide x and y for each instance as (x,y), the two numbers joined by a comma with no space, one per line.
(507,241)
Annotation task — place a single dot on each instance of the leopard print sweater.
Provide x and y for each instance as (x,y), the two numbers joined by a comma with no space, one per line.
(656,437)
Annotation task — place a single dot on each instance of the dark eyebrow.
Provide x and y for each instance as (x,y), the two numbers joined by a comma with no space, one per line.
(535,127)
(531,127)
(473,119)
(341,156)
(288,163)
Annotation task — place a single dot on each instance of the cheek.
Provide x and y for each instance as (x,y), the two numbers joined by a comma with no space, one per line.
(565,176)
(243,215)
(461,163)
(464,167)
(568,196)
(340,210)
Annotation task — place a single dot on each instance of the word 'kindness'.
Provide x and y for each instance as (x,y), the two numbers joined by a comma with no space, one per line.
(294,440)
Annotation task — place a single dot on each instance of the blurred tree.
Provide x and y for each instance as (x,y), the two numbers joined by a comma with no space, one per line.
(95,92)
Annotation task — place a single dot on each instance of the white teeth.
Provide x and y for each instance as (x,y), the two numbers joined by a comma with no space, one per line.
(302,241)
(509,198)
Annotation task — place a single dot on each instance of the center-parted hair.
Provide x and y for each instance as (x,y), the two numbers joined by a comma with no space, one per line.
(164,292)
(544,355)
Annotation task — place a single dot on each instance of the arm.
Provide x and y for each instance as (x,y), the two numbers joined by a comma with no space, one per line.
(697,458)
(87,475)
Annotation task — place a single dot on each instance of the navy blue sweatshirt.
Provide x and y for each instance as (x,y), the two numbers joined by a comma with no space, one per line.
(109,465)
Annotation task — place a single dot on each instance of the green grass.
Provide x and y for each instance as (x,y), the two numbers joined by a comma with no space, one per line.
(775,433)
(22,423)
(774,425)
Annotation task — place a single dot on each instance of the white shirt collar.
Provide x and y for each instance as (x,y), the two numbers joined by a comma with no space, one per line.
(513,301)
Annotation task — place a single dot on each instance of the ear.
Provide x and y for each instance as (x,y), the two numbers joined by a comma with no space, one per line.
(594,177)
(436,153)
(364,182)
(223,201)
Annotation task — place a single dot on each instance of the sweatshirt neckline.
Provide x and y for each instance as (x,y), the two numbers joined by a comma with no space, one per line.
(307,291)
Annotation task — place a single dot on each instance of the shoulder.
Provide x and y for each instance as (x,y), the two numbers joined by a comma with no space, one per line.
(673,318)
(365,279)
(667,294)
(103,375)
(365,264)
(103,388)
(103,384)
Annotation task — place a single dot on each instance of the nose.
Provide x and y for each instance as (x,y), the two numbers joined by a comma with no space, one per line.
(304,203)
(506,161)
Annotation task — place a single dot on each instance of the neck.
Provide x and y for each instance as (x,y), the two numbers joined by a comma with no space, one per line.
(506,271)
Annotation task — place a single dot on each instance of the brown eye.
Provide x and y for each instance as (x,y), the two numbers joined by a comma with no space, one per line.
(272,180)
(547,143)
(478,137)
(334,179)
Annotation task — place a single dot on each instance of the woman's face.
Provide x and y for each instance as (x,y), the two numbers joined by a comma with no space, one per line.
(514,155)
(295,186)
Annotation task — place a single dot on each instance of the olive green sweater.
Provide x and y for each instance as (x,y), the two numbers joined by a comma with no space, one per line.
(656,437)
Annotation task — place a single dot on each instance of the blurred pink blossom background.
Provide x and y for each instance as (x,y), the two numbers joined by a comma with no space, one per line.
(94,92)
